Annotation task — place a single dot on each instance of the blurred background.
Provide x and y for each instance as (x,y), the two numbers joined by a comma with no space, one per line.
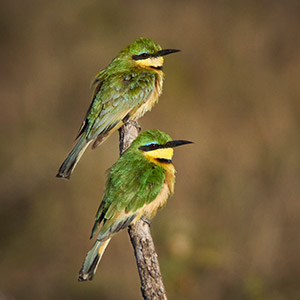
(231,231)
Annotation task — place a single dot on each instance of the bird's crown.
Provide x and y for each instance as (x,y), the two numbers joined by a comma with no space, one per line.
(142,46)
(156,146)
(144,53)
(151,138)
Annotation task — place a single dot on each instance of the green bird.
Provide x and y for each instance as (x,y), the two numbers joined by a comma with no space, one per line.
(128,88)
(138,184)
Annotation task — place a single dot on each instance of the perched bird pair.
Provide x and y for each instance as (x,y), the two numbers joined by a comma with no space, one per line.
(142,179)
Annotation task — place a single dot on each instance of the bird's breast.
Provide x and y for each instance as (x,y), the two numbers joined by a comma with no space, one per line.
(150,210)
(149,102)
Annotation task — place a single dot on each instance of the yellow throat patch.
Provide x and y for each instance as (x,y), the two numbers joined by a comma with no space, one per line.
(156,62)
(156,155)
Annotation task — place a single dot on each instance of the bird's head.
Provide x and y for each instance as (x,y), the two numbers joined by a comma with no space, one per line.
(145,53)
(157,146)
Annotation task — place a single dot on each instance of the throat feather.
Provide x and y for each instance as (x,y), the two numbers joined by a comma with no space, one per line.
(160,68)
(164,160)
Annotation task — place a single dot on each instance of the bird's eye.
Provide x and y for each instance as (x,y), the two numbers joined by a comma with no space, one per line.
(141,56)
(153,146)
(144,55)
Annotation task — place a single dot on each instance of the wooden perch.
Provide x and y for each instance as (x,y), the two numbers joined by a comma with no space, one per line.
(152,286)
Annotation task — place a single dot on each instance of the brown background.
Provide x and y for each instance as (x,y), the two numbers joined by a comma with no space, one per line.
(232,229)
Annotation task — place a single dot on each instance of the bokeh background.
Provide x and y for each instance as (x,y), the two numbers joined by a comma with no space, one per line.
(232,229)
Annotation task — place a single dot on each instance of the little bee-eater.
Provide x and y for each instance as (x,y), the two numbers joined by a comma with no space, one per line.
(138,184)
(125,90)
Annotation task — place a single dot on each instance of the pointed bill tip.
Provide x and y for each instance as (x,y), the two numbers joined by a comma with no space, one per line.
(177,143)
(166,52)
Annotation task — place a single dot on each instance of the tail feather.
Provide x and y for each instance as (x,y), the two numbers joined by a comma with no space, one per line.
(92,260)
(72,159)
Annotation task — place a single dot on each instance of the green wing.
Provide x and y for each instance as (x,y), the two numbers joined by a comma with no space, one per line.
(131,185)
(116,97)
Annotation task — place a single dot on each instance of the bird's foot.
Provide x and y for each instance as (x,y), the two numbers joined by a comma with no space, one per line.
(146,220)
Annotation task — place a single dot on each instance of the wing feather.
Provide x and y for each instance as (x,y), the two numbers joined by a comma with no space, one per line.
(131,185)
(116,97)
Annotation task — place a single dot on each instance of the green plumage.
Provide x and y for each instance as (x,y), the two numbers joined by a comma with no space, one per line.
(133,181)
(120,91)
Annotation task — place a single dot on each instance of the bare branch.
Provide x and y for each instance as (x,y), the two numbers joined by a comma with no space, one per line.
(152,286)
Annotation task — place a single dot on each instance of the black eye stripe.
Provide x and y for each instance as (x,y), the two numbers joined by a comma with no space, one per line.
(141,56)
(150,147)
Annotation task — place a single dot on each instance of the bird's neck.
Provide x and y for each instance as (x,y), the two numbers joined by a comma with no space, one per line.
(163,158)
(170,176)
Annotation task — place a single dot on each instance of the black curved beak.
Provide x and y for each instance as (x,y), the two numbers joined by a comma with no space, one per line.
(177,143)
(166,52)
